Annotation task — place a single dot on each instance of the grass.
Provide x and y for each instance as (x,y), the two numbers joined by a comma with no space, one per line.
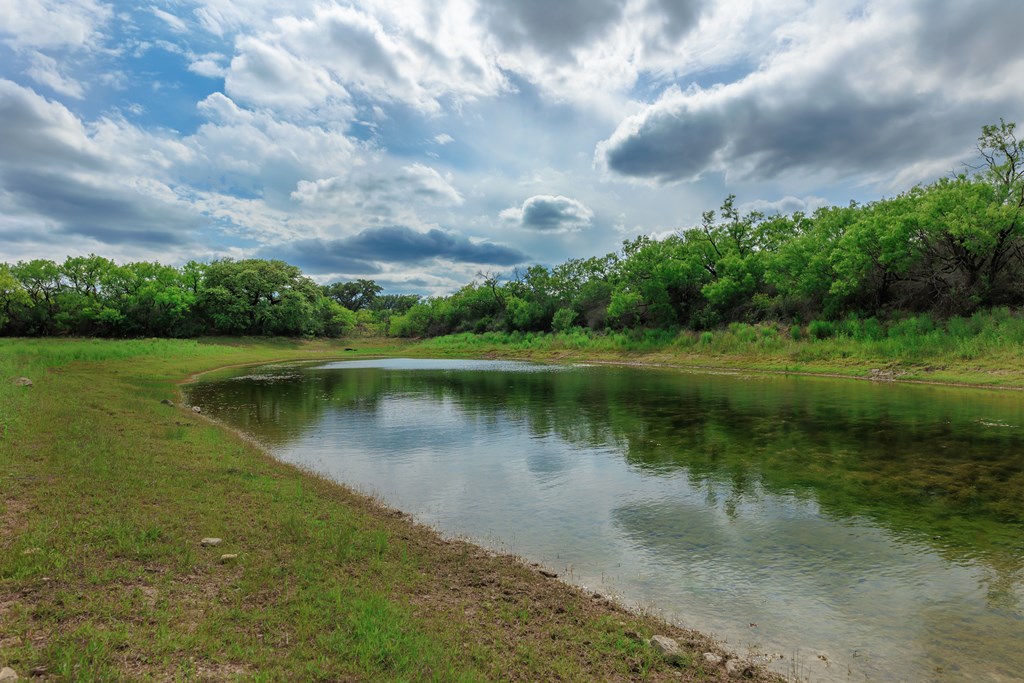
(106,493)
(984,349)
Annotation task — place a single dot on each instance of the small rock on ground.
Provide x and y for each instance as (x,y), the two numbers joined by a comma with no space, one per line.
(227,557)
(196,409)
(667,648)
(737,668)
(22,382)
(168,402)
(206,542)
(712,659)
(8,675)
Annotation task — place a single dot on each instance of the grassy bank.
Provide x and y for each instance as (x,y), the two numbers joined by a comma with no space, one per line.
(105,493)
(987,350)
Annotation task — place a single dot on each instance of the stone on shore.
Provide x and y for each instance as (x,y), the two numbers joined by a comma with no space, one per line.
(667,648)
(713,659)
(738,668)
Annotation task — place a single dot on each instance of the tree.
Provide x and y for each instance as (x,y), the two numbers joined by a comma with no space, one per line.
(13,297)
(356,295)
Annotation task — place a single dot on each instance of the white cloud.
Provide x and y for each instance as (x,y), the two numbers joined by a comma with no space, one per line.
(857,103)
(409,62)
(208,66)
(268,75)
(47,24)
(175,23)
(84,180)
(46,71)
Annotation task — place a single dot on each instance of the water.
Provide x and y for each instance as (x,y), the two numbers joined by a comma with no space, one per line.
(860,531)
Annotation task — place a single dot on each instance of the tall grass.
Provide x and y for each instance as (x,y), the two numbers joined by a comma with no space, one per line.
(991,338)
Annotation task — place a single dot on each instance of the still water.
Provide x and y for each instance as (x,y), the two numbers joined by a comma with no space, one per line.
(861,531)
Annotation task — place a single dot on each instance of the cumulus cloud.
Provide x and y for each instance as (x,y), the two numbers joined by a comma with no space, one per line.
(48,24)
(208,65)
(547,213)
(414,183)
(268,75)
(863,102)
(255,149)
(412,59)
(363,252)
(56,168)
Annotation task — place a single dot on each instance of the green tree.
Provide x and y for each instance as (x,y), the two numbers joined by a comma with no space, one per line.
(356,295)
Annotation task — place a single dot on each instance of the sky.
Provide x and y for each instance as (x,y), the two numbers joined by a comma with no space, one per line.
(421,143)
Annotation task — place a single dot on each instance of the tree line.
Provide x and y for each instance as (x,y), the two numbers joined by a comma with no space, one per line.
(949,248)
(94,296)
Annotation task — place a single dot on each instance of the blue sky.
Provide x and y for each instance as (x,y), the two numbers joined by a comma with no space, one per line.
(420,143)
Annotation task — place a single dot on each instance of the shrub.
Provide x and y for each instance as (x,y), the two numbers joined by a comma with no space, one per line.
(820,329)
(564,320)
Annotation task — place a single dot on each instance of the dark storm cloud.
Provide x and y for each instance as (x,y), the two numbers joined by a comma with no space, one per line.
(321,256)
(552,28)
(679,16)
(840,112)
(667,143)
(109,215)
(393,244)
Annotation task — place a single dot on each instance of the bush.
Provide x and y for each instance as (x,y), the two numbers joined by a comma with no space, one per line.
(564,320)
(820,329)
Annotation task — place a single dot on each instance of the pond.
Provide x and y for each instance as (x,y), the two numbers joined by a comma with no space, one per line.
(844,530)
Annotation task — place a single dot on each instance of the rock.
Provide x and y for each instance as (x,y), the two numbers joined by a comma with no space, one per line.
(207,542)
(196,409)
(667,648)
(23,382)
(227,557)
(168,402)
(7,674)
(737,668)
(549,574)
(713,659)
